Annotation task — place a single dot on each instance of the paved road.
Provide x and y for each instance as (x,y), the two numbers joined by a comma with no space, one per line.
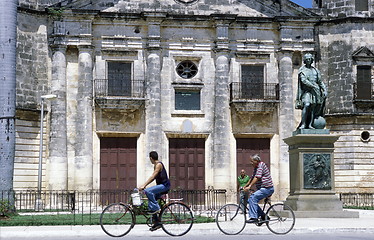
(300,236)
(305,228)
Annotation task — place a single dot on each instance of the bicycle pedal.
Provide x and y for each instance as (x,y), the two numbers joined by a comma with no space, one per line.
(259,224)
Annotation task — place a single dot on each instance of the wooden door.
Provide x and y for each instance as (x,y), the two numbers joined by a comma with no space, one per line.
(187,163)
(117,164)
(246,147)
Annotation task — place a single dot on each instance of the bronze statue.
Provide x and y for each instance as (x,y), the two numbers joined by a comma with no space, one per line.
(311,95)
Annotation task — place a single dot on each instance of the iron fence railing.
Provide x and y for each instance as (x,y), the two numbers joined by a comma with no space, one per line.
(107,88)
(254,91)
(361,200)
(75,207)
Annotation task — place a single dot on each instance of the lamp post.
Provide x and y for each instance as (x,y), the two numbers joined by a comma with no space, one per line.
(39,203)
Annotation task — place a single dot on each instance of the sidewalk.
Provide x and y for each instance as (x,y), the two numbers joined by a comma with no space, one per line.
(365,223)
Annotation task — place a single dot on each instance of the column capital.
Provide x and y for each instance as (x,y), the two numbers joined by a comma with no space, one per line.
(85,48)
(59,47)
(285,51)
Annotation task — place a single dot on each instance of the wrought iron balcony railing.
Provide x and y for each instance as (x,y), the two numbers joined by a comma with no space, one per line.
(130,89)
(254,91)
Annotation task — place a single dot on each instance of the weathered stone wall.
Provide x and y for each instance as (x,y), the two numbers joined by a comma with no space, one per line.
(353,157)
(37,4)
(346,8)
(27,150)
(337,45)
(32,60)
(354,163)
(32,82)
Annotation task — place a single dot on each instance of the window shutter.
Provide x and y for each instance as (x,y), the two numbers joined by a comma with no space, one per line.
(363,82)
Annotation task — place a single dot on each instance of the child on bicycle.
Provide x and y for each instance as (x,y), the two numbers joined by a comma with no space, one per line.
(153,193)
(262,179)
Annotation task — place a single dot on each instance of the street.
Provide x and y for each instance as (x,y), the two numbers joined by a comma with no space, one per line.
(301,236)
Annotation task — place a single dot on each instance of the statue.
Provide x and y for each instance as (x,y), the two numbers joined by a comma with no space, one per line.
(311,95)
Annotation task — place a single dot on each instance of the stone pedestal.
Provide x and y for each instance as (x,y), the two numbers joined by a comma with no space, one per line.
(312,185)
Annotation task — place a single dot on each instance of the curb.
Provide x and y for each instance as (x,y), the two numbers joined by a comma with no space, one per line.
(143,230)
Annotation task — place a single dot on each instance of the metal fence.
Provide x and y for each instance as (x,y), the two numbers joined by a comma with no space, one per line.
(77,208)
(359,200)
(254,91)
(130,88)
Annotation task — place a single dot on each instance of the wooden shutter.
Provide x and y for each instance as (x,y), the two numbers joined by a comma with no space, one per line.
(252,84)
(119,79)
(364,87)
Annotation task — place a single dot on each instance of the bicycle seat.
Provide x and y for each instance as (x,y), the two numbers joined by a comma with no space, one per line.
(162,194)
(267,199)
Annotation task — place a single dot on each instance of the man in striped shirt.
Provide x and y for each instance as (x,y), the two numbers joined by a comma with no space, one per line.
(262,179)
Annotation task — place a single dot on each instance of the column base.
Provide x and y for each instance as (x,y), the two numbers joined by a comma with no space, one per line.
(318,206)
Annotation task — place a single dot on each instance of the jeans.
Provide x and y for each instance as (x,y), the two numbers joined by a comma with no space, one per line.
(243,199)
(255,210)
(153,193)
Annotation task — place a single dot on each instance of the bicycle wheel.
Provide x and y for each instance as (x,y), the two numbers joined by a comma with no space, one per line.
(230,219)
(282,219)
(117,220)
(176,219)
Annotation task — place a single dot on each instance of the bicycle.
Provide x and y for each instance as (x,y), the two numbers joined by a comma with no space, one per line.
(279,218)
(117,219)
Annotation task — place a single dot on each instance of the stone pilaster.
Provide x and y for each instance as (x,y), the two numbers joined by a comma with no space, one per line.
(286,116)
(83,146)
(154,134)
(58,162)
(221,123)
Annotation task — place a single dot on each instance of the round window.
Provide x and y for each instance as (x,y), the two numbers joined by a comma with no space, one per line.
(187,69)
(365,136)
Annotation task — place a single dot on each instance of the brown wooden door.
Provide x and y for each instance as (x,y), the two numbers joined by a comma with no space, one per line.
(187,163)
(246,147)
(117,164)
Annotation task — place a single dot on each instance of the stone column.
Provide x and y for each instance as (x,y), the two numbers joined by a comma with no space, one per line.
(221,123)
(153,88)
(58,161)
(83,146)
(286,116)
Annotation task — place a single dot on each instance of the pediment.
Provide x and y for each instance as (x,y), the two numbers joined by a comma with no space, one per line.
(363,56)
(363,52)
(242,8)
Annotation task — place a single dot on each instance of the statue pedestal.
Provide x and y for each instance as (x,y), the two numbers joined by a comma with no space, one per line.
(312,185)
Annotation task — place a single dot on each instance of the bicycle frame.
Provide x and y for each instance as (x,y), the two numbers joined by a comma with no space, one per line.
(175,217)
(266,202)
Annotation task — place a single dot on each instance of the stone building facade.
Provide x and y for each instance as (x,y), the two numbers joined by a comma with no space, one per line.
(204,83)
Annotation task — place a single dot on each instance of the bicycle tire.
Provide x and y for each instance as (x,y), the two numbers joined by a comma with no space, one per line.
(230,219)
(282,219)
(117,220)
(176,219)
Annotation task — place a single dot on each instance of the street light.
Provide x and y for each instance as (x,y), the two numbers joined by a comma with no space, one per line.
(39,204)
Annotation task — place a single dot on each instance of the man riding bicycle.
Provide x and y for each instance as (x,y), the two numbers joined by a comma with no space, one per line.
(153,193)
(262,179)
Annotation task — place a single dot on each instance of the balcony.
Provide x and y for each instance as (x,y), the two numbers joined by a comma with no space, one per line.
(127,95)
(254,97)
